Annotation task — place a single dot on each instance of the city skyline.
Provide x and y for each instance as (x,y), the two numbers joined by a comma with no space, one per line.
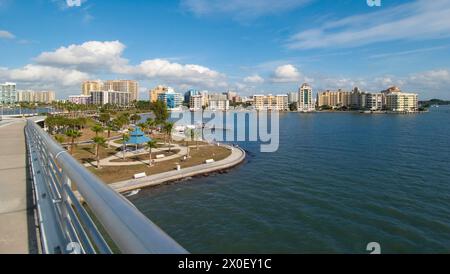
(252,47)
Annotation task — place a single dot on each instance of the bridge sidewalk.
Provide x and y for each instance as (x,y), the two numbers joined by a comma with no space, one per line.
(17,224)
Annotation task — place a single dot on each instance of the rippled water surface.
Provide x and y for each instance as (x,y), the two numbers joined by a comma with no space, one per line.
(337,182)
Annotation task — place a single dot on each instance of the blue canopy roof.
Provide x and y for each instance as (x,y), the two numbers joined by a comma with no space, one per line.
(137,137)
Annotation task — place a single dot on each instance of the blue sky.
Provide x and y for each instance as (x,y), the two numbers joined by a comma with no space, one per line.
(245,45)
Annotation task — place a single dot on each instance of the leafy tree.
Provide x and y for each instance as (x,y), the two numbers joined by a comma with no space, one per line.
(293,106)
(97,129)
(161,112)
(135,118)
(151,124)
(104,118)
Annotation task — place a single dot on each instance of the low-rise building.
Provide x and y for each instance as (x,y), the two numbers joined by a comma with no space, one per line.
(218,102)
(402,102)
(81,99)
(271,102)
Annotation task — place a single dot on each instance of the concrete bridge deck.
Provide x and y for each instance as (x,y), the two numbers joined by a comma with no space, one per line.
(17,223)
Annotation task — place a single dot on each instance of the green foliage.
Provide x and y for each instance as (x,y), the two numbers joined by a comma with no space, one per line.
(97,129)
(160,111)
(293,106)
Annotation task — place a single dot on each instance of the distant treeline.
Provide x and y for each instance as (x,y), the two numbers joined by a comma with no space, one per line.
(433,102)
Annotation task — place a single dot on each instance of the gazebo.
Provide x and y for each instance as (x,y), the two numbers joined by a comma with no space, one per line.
(137,137)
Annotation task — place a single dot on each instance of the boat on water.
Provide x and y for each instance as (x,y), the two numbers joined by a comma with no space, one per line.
(131,193)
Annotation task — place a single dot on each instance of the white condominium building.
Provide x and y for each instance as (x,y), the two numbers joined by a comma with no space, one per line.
(305,100)
(218,102)
(196,102)
(402,102)
(271,102)
(8,94)
(375,101)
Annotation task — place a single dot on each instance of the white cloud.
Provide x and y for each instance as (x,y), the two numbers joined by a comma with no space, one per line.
(419,20)
(44,75)
(254,79)
(68,66)
(178,73)
(92,55)
(241,9)
(286,74)
(6,35)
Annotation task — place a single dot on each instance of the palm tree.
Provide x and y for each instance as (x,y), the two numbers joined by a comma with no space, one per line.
(97,129)
(125,139)
(168,127)
(150,145)
(104,117)
(195,136)
(60,139)
(151,124)
(73,134)
(135,118)
(188,133)
(109,128)
(98,141)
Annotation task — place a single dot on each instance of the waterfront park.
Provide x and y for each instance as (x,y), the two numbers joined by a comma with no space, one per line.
(123,145)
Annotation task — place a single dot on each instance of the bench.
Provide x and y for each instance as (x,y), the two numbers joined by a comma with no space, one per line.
(160,156)
(209,161)
(140,175)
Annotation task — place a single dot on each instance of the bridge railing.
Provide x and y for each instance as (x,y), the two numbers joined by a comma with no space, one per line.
(66,225)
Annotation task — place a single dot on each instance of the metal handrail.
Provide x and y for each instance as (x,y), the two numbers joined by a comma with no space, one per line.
(130,230)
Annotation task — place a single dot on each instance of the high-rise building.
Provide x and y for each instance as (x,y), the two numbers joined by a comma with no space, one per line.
(31,96)
(292,97)
(334,99)
(154,93)
(305,100)
(112,97)
(8,94)
(130,86)
(375,101)
(89,86)
(172,99)
(196,102)
(189,93)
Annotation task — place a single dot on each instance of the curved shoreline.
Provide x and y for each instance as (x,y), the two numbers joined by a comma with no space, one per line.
(237,157)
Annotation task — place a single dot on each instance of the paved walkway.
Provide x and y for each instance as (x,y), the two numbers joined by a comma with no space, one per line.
(237,156)
(17,226)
